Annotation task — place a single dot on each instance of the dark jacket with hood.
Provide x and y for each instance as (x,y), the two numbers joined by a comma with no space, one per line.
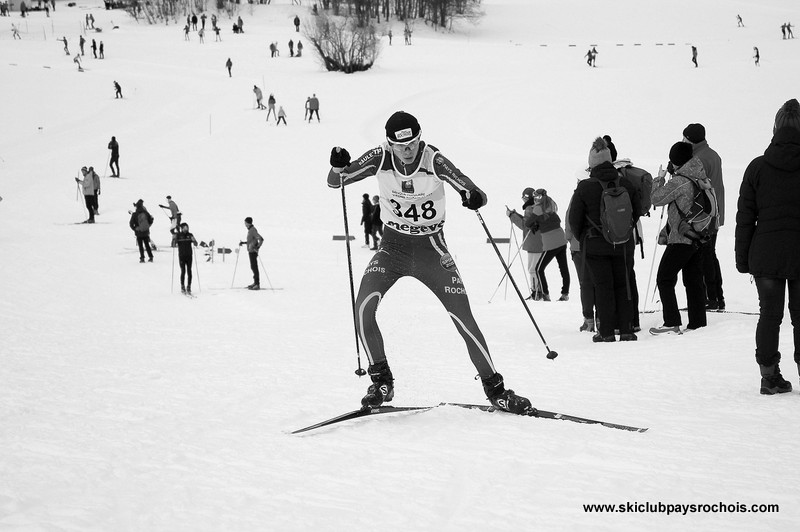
(585,206)
(768,216)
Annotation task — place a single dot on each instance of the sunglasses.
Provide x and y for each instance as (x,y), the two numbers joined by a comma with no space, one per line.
(409,143)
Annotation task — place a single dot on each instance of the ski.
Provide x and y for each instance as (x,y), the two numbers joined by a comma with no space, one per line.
(545,414)
(362,413)
(551,415)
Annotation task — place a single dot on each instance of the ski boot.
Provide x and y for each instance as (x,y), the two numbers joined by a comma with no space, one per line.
(382,388)
(772,381)
(505,400)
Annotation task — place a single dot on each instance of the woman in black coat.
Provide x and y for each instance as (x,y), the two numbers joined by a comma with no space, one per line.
(768,241)
(607,264)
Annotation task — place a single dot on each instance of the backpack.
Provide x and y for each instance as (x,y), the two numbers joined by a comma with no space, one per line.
(144,220)
(616,213)
(642,180)
(702,218)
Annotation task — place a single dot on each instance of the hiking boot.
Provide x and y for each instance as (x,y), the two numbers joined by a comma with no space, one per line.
(628,337)
(141,259)
(382,388)
(564,297)
(588,325)
(503,399)
(664,329)
(183,289)
(712,304)
(254,287)
(597,338)
(545,297)
(150,259)
(772,381)
(721,304)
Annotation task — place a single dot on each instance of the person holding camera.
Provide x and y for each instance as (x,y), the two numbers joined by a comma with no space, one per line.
(411,176)
(683,253)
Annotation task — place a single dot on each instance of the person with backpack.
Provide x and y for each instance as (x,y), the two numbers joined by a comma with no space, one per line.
(91,188)
(683,252)
(185,240)
(712,164)
(544,220)
(412,175)
(603,210)
(140,224)
(767,229)
(643,181)
(531,240)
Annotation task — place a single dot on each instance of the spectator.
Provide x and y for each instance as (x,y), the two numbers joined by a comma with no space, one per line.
(366,219)
(531,240)
(140,223)
(544,219)
(683,254)
(313,107)
(113,145)
(254,242)
(767,225)
(695,134)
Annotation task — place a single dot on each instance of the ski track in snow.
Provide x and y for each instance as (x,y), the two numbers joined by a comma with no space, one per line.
(125,406)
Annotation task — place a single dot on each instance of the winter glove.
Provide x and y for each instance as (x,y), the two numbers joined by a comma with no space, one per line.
(339,157)
(473,199)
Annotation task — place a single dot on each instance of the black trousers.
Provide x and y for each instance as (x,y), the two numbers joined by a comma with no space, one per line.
(712,275)
(611,290)
(143,241)
(687,259)
(186,269)
(772,301)
(254,267)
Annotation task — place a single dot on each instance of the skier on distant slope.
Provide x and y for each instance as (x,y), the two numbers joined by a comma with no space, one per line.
(185,240)
(411,176)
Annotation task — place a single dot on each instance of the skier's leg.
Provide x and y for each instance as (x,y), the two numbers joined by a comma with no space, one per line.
(434,266)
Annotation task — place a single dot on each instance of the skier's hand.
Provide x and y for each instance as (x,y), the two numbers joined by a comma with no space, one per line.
(473,199)
(339,157)
(661,172)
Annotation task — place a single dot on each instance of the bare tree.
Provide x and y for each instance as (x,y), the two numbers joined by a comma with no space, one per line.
(341,44)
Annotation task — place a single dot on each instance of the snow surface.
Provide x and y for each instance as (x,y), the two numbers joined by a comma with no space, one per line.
(124,406)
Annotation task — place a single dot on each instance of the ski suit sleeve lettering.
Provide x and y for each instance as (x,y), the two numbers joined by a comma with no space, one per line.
(365,166)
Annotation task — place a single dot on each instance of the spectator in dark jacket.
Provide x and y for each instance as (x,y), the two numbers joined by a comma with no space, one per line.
(140,224)
(366,221)
(531,240)
(767,233)
(607,263)
(377,223)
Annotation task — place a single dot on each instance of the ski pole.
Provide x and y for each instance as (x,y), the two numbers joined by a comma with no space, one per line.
(197,272)
(653,262)
(550,353)
(172,280)
(519,249)
(265,272)
(508,256)
(238,252)
(360,371)
(105,168)
(525,272)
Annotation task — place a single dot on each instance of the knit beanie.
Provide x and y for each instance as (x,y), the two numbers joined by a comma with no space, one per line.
(599,153)
(527,193)
(694,133)
(401,127)
(680,153)
(788,115)
(248,220)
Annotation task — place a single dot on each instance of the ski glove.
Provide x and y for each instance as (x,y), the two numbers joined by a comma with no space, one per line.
(473,199)
(339,157)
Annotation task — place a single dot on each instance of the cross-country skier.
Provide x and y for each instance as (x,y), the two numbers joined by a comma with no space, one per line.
(113,145)
(140,223)
(185,240)
(254,242)
(90,188)
(411,176)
